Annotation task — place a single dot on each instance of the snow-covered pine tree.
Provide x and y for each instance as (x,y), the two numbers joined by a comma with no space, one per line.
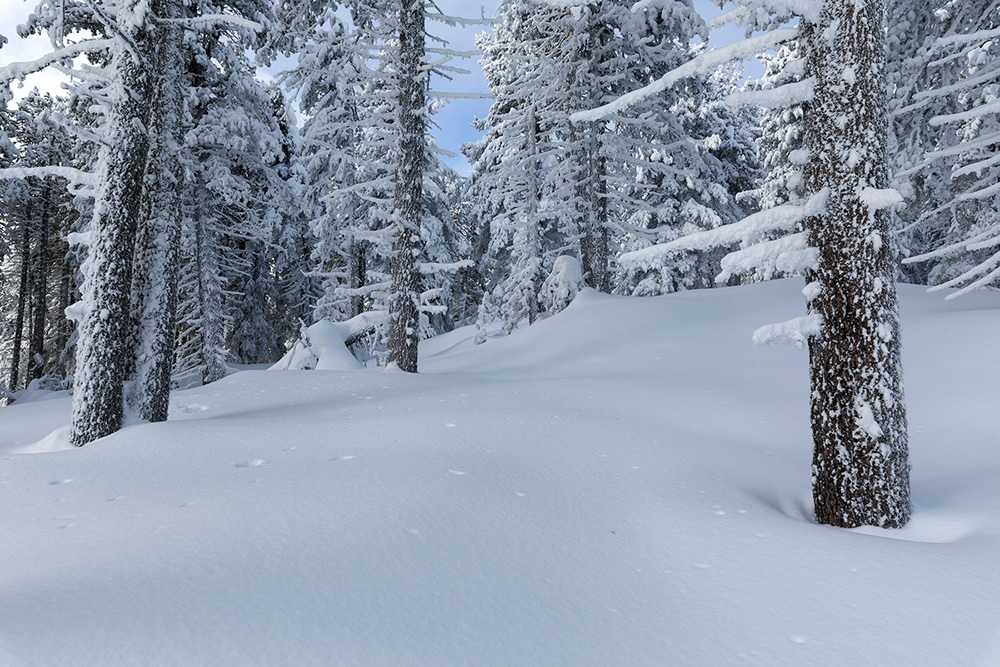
(384,184)
(233,149)
(961,108)
(103,351)
(860,454)
(520,68)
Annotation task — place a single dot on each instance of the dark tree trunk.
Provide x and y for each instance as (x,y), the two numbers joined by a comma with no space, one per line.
(103,352)
(860,465)
(408,196)
(22,297)
(40,287)
(210,320)
(154,289)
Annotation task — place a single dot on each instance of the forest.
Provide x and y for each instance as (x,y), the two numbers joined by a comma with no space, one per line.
(279,386)
(169,214)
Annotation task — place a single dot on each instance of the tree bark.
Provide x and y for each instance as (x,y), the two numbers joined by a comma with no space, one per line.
(22,296)
(103,350)
(408,206)
(860,461)
(39,286)
(154,288)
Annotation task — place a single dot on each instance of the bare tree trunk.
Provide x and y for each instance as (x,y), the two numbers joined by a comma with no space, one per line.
(408,202)
(860,462)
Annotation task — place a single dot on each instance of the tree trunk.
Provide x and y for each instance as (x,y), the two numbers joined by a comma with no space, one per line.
(408,196)
(22,296)
(154,288)
(103,350)
(40,288)
(211,330)
(860,466)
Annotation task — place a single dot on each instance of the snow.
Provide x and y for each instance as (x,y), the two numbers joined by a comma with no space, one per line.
(624,483)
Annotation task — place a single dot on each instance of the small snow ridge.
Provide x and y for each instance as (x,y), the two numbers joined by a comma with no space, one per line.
(252,463)
(57,441)
(927,527)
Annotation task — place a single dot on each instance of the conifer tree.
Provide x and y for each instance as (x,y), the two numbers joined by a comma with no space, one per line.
(860,454)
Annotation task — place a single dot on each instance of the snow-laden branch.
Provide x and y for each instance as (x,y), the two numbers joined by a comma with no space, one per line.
(217,19)
(805,9)
(442,95)
(752,227)
(796,331)
(435,267)
(961,40)
(782,96)
(19,70)
(987,272)
(877,199)
(977,112)
(704,63)
(788,254)
(76,177)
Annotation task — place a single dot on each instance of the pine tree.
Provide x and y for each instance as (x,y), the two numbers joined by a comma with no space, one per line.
(962,221)
(860,459)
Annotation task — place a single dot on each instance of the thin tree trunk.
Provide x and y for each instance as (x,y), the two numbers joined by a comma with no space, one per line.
(860,466)
(40,289)
(209,302)
(408,196)
(22,297)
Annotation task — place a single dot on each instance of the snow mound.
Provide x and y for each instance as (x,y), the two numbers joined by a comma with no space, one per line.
(320,348)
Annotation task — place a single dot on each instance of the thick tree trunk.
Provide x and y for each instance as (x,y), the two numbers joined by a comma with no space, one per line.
(103,352)
(154,288)
(408,196)
(860,466)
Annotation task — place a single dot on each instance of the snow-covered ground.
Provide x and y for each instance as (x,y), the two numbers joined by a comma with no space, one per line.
(626,483)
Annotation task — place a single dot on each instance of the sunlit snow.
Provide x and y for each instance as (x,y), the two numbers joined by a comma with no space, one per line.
(624,483)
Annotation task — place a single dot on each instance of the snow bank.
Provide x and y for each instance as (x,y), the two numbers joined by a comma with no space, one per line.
(321,348)
(624,483)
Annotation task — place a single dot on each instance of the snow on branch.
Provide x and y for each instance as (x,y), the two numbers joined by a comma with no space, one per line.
(783,96)
(75,176)
(877,199)
(788,254)
(216,19)
(749,13)
(969,38)
(796,331)
(19,70)
(977,112)
(747,230)
(435,267)
(704,63)
(441,95)
(987,272)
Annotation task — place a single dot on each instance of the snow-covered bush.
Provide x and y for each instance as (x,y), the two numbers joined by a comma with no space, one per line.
(563,284)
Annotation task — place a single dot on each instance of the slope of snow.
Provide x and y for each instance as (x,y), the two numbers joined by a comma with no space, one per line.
(625,483)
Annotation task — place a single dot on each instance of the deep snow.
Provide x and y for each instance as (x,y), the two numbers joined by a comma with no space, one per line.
(625,483)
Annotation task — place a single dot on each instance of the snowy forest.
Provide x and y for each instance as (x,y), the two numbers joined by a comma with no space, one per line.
(168,214)
(532,413)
